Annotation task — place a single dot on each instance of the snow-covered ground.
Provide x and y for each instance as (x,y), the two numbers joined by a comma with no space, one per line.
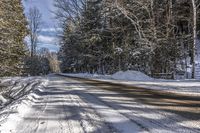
(64,105)
(13,98)
(12,88)
(138,79)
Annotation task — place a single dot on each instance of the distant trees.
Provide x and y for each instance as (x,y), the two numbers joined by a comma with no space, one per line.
(105,36)
(37,63)
(12,33)
(54,62)
(43,63)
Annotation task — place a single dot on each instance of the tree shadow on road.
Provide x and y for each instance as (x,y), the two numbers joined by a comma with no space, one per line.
(119,98)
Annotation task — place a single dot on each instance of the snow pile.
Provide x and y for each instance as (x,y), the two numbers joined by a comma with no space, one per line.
(15,87)
(131,76)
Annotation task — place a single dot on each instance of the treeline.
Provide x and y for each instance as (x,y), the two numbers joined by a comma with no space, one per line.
(12,33)
(42,63)
(106,36)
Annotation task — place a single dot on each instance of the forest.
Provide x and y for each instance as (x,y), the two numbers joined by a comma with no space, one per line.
(151,36)
(105,36)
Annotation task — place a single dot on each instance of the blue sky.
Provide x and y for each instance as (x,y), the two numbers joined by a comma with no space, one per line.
(47,37)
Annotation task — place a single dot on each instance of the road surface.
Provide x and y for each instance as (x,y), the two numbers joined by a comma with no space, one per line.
(68,105)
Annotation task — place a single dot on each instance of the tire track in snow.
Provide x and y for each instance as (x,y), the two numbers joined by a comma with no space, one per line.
(148,125)
(66,125)
(93,98)
(168,124)
(106,111)
(91,122)
(74,107)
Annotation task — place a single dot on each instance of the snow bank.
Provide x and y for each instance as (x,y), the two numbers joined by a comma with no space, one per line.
(15,87)
(131,76)
(87,75)
(126,75)
(16,98)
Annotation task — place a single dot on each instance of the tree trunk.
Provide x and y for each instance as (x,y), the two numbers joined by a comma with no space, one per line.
(194,37)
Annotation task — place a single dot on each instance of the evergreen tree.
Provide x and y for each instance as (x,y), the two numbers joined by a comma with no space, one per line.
(13,31)
(92,41)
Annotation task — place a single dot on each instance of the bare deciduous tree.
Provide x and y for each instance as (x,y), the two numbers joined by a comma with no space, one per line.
(69,10)
(34,18)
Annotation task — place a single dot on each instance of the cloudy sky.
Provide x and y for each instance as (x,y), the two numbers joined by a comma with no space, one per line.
(47,37)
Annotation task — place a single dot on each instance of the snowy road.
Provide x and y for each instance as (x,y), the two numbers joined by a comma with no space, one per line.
(76,106)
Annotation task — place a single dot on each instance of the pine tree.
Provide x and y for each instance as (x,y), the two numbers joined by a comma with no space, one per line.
(13,31)
(91,27)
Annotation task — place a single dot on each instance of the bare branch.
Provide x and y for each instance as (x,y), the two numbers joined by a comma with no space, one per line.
(34,18)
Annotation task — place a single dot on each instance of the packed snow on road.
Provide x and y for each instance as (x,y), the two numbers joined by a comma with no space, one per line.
(57,104)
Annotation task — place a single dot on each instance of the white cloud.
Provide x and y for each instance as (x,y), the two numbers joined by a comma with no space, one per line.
(47,39)
(46,42)
(51,47)
(51,29)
